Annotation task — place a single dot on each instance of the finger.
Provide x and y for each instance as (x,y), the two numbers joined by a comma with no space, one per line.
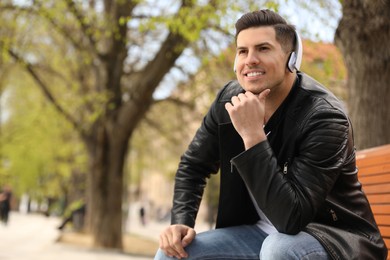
(171,244)
(242,97)
(165,247)
(228,106)
(235,100)
(187,239)
(249,94)
(177,244)
(264,94)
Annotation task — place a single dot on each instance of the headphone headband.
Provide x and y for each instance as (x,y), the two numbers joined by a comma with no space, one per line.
(299,51)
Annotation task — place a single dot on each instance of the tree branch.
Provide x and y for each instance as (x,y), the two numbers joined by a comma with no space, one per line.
(118,51)
(46,15)
(177,102)
(83,24)
(143,87)
(30,69)
(157,127)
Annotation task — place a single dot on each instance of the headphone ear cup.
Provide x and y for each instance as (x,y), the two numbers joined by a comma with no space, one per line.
(291,61)
(234,65)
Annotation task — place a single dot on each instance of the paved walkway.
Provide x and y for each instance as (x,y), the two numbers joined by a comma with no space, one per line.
(33,237)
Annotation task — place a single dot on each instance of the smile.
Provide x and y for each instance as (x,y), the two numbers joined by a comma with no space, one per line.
(254,74)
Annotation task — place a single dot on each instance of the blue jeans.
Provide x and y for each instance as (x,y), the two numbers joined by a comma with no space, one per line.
(250,242)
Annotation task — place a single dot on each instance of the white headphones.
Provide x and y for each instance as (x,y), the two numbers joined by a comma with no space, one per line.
(295,59)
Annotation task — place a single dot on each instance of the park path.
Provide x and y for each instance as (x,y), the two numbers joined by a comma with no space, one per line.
(34,236)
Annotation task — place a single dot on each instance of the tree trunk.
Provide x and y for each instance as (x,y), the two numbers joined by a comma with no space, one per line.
(363,36)
(107,154)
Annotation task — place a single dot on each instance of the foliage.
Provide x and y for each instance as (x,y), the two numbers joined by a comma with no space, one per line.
(39,146)
(95,73)
(74,36)
(324,62)
(99,64)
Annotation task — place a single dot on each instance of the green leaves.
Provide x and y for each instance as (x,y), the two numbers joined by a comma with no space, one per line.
(41,148)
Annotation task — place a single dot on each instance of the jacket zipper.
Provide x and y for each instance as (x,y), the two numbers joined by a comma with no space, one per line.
(285,167)
(334,216)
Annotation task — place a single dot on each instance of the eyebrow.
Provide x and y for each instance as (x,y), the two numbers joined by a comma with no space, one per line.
(241,48)
(256,46)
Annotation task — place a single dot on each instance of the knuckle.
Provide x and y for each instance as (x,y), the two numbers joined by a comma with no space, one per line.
(175,241)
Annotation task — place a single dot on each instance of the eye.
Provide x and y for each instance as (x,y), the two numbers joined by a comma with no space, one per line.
(263,48)
(241,51)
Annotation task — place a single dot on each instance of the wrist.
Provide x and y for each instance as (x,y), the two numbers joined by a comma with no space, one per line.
(251,141)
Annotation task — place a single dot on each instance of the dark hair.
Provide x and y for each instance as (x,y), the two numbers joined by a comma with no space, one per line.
(285,33)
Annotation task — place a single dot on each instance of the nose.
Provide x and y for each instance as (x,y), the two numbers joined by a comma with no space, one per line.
(252,59)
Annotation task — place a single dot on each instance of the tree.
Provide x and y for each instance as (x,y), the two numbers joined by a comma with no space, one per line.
(363,36)
(99,63)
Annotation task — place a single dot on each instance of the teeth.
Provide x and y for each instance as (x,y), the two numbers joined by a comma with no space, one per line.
(253,74)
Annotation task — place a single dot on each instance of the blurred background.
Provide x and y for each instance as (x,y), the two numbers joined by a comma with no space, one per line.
(99,99)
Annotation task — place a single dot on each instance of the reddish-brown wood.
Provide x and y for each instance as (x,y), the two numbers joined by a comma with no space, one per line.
(374,174)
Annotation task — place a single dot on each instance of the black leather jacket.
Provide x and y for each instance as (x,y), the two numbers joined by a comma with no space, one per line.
(304,177)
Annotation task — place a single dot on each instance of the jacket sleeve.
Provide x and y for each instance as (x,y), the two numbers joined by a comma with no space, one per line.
(196,164)
(291,195)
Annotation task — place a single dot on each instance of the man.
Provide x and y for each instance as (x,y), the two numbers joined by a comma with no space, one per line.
(284,145)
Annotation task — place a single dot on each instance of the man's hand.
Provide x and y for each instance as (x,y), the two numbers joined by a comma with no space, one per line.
(247,112)
(175,238)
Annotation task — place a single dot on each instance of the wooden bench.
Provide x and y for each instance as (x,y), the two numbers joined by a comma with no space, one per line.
(374,174)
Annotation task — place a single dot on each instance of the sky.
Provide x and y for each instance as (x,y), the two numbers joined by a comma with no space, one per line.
(312,24)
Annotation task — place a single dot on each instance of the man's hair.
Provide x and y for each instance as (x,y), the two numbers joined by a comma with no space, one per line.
(285,33)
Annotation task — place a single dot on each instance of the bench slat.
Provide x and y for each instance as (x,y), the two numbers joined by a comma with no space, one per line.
(382,220)
(385,231)
(372,160)
(377,189)
(374,174)
(373,152)
(380,209)
(375,179)
(380,168)
(379,198)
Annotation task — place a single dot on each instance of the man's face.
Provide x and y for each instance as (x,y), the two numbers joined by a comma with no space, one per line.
(260,60)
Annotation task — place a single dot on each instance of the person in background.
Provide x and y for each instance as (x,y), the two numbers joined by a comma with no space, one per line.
(75,215)
(284,146)
(5,204)
(142,216)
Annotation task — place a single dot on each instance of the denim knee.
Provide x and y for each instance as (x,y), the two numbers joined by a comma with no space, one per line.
(300,246)
(271,248)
